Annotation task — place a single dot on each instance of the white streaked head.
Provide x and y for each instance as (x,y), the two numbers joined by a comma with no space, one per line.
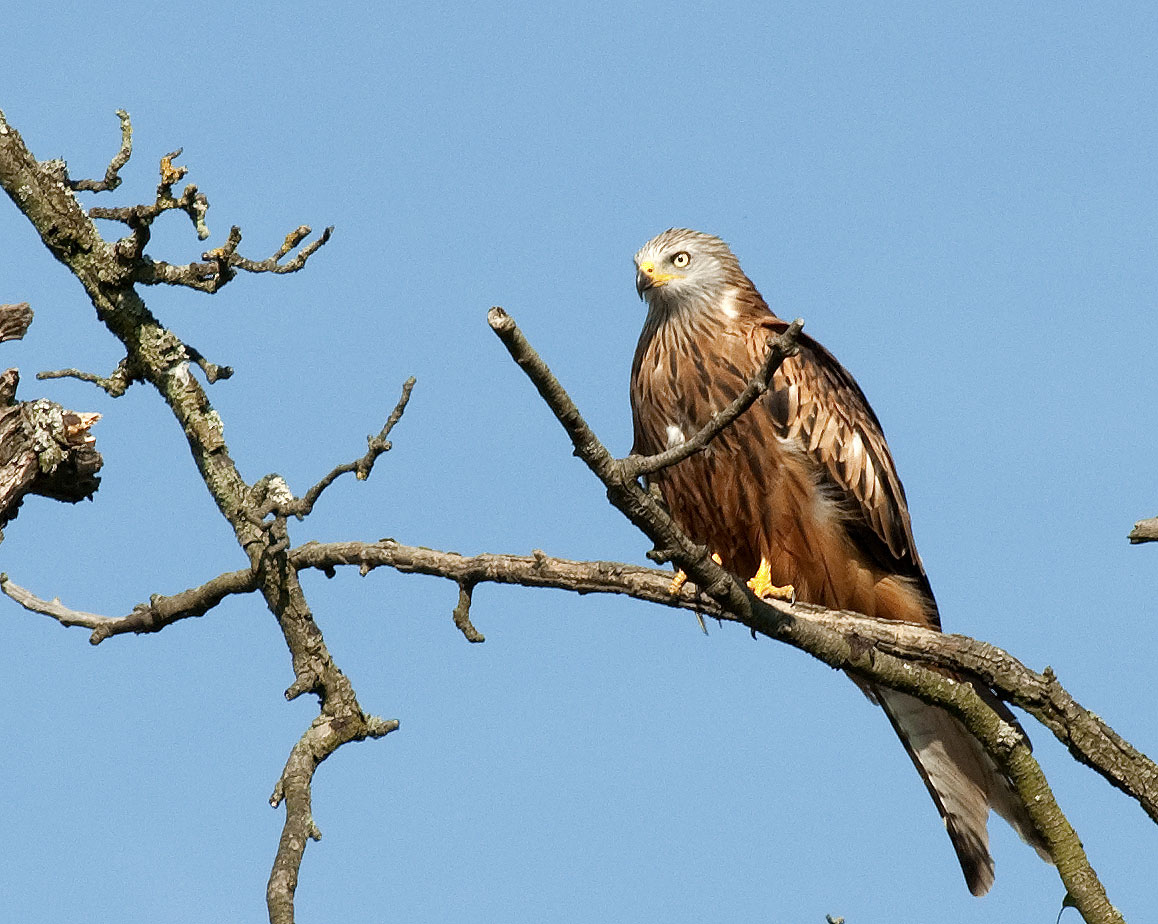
(684,267)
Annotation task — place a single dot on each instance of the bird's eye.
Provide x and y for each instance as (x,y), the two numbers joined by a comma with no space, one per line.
(681,259)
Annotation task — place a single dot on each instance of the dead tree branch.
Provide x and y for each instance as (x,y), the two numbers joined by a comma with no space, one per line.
(1144,531)
(44,448)
(112,173)
(109,272)
(1090,739)
(301,507)
(151,617)
(779,349)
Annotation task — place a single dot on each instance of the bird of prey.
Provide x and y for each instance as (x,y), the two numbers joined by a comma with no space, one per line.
(799,494)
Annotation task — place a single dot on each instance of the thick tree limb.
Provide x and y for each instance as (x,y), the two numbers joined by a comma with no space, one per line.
(44,449)
(1090,739)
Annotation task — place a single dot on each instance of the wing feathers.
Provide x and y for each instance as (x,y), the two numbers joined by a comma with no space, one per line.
(815,402)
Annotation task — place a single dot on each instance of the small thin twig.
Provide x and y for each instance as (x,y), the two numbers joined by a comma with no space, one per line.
(213,372)
(221,264)
(301,507)
(462,613)
(153,616)
(115,384)
(52,608)
(295,237)
(112,179)
(779,349)
(139,217)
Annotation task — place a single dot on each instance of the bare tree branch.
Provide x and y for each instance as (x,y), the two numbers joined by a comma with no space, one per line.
(140,217)
(151,617)
(461,614)
(115,384)
(221,263)
(779,349)
(1144,531)
(157,356)
(112,178)
(301,507)
(324,736)
(1090,739)
(52,608)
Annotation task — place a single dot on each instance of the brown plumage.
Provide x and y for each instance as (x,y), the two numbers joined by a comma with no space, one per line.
(804,483)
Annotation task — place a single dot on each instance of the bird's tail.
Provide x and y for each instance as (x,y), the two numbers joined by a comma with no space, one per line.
(963,780)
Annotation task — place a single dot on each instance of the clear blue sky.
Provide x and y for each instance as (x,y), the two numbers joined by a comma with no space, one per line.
(959,198)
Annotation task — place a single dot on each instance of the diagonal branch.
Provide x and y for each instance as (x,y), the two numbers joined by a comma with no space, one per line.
(109,273)
(301,507)
(325,735)
(779,349)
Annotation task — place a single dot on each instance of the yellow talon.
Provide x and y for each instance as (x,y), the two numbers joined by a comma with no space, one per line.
(761,585)
(681,578)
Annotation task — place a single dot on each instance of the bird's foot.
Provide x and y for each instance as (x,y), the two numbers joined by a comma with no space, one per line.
(681,577)
(761,585)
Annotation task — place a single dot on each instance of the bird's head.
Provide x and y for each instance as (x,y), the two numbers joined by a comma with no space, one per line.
(684,267)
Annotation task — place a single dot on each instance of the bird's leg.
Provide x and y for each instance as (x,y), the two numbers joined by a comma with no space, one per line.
(681,578)
(761,585)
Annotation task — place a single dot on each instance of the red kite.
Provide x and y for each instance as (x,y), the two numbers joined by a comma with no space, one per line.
(801,495)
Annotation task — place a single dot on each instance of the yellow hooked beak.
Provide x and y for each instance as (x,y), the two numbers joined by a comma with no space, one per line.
(647,278)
